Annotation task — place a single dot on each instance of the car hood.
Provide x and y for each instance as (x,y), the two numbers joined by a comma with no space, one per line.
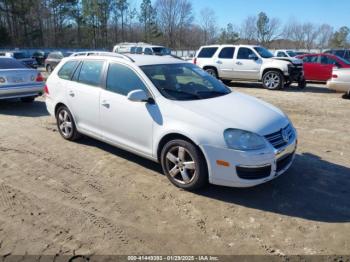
(293,60)
(234,110)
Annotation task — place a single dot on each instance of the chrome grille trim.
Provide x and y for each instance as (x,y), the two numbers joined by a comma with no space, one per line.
(276,139)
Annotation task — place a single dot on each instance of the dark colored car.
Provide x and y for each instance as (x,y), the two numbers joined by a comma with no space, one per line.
(21,56)
(319,67)
(40,57)
(54,58)
(343,53)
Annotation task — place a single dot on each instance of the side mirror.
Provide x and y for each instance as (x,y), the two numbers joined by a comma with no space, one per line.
(140,95)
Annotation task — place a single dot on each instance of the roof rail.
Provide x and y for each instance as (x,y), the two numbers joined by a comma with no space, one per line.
(98,53)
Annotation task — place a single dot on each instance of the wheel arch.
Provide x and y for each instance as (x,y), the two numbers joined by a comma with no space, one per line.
(211,67)
(173,136)
(271,69)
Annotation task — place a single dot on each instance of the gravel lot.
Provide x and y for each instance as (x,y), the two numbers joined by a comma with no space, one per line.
(91,198)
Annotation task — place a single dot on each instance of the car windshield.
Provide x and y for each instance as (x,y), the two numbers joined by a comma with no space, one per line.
(9,63)
(291,53)
(161,51)
(263,52)
(20,55)
(184,82)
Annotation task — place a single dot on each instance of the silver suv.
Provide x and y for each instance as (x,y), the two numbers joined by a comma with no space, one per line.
(252,63)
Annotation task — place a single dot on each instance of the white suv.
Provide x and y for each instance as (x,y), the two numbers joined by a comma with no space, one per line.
(172,112)
(253,63)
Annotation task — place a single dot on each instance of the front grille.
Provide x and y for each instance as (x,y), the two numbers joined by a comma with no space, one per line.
(254,172)
(282,137)
(295,72)
(283,162)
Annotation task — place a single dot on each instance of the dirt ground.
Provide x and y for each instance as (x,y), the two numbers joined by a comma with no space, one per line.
(91,198)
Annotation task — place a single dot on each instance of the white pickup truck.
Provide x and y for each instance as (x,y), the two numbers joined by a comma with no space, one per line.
(250,63)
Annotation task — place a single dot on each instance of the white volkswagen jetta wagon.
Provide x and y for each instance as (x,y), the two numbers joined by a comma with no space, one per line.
(172,112)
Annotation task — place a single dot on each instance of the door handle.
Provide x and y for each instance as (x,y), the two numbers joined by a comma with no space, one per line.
(239,63)
(71,93)
(219,62)
(105,104)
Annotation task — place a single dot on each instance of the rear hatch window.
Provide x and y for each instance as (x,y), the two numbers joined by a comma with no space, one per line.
(207,52)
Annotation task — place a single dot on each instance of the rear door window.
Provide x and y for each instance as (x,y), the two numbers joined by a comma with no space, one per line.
(227,53)
(67,70)
(90,72)
(207,52)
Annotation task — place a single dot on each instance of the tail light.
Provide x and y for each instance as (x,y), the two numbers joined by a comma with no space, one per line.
(39,78)
(195,60)
(46,90)
(334,76)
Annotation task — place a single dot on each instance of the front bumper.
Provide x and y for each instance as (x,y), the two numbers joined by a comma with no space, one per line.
(247,169)
(295,73)
(7,92)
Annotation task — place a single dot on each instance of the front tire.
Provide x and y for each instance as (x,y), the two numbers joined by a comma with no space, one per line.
(273,80)
(184,165)
(66,125)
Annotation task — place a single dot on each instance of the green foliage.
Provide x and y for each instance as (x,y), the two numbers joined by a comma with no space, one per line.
(340,38)
(228,35)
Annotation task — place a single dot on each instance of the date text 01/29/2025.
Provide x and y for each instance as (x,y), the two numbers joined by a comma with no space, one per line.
(173,258)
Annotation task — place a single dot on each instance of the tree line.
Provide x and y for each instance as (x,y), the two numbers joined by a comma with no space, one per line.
(103,23)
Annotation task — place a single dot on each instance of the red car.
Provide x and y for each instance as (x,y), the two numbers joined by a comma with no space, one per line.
(319,67)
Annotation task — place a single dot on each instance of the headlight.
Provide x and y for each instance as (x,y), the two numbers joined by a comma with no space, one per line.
(243,140)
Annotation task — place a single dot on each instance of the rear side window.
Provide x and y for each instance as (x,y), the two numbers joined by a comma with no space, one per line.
(90,73)
(207,52)
(227,53)
(9,63)
(67,70)
(122,80)
(139,50)
(148,51)
(244,53)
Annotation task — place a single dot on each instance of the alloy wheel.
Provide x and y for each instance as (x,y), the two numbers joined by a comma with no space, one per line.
(65,123)
(272,80)
(181,165)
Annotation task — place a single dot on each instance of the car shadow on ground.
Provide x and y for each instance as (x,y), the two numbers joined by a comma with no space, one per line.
(15,107)
(312,189)
(151,165)
(292,88)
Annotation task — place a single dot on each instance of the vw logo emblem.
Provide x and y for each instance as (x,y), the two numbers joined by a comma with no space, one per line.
(285,135)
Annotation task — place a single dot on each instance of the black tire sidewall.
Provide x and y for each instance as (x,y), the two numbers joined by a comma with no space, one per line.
(201,178)
(281,84)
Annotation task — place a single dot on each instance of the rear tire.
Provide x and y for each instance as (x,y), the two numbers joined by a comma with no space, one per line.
(273,80)
(212,72)
(66,125)
(184,165)
(29,99)
(302,84)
